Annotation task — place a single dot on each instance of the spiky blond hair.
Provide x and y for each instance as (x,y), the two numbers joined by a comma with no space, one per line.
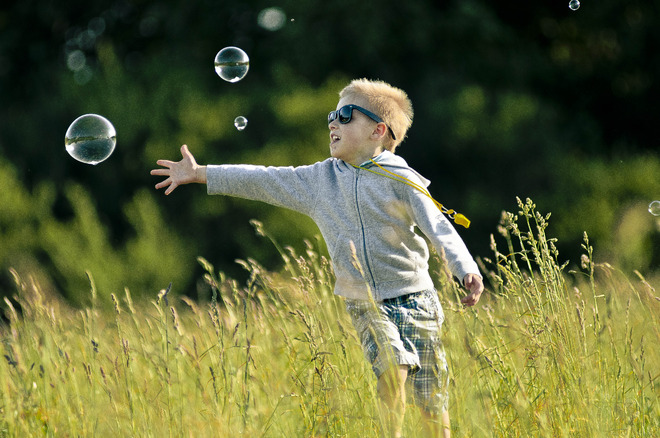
(390,103)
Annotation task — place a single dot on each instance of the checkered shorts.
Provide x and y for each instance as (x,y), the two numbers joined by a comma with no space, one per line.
(406,331)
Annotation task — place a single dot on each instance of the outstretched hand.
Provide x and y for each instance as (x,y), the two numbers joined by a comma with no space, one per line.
(181,172)
(475,285)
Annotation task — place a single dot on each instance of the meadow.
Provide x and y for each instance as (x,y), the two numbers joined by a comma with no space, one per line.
(552,349)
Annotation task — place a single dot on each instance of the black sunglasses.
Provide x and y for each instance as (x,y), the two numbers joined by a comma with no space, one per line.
(345,114)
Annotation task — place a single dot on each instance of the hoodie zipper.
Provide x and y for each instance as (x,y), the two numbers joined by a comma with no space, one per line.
(367,266)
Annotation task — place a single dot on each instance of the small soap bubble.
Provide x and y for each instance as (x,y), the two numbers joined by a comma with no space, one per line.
(654,208)
(574,5)
(90,139)
(240,123)
(232,64)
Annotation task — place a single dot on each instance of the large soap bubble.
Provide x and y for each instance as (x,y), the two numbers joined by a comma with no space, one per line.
(232,64)
(90,139)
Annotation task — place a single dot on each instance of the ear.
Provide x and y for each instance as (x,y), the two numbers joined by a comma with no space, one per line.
(379,131)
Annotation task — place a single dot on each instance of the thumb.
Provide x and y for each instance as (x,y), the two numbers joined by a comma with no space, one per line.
(184,151)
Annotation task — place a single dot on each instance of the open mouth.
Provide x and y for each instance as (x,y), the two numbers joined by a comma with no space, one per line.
(334,138)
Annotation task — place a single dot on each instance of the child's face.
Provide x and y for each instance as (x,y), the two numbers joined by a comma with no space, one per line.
(358,140)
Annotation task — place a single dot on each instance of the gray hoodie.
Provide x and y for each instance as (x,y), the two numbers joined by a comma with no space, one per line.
(366,219)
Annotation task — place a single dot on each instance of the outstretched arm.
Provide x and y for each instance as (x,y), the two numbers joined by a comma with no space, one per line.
(181,172)
(475,285)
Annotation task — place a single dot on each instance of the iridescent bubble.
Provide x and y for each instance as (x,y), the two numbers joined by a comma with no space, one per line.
(90,139)
(654,208)
(574,5)
(232,64)
(240,123)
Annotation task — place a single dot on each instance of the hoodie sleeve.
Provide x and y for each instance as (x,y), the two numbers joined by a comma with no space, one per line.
(442,234)
(290,187)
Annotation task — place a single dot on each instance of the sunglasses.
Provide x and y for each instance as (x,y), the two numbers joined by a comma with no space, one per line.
(345,114)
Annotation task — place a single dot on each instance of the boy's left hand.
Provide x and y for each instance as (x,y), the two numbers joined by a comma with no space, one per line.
(475,285)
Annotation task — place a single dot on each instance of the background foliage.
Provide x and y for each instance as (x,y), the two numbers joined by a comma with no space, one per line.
(511,99)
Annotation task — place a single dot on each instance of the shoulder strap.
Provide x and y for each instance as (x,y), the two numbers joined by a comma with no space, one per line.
(453,215)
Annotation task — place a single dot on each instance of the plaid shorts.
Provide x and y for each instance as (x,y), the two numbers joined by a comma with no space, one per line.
(406,331)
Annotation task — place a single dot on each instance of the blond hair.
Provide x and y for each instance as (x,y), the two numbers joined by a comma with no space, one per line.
(389,103)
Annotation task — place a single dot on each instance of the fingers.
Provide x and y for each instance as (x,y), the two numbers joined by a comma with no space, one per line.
(474,284)
(184,150)
(171,188)
(169,184)
(165,163)
(164,183)
(169,163)
(476,287)
(160,172)
(171,169)
(471,299)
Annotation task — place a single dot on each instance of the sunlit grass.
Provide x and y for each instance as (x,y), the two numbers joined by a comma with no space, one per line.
(547,352)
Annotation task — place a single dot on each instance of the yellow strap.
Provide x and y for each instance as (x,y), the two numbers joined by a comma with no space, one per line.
(456,217)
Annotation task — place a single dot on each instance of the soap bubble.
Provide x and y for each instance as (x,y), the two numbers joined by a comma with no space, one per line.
(574,5)
(90,139)
(654,208)
(240,123)
(272,18)
(232,64)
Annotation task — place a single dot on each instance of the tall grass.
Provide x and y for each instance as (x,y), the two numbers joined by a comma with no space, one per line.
(556,353)
(546,353)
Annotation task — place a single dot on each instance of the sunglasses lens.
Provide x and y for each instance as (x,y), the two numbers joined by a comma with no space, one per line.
(345,114)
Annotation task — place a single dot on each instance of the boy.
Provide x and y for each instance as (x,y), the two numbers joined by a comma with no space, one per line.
(365,205)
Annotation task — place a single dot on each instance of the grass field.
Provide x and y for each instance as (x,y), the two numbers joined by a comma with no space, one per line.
(547,352)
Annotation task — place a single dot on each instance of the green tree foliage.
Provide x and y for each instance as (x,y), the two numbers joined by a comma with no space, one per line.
(82,244)
(511,99)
